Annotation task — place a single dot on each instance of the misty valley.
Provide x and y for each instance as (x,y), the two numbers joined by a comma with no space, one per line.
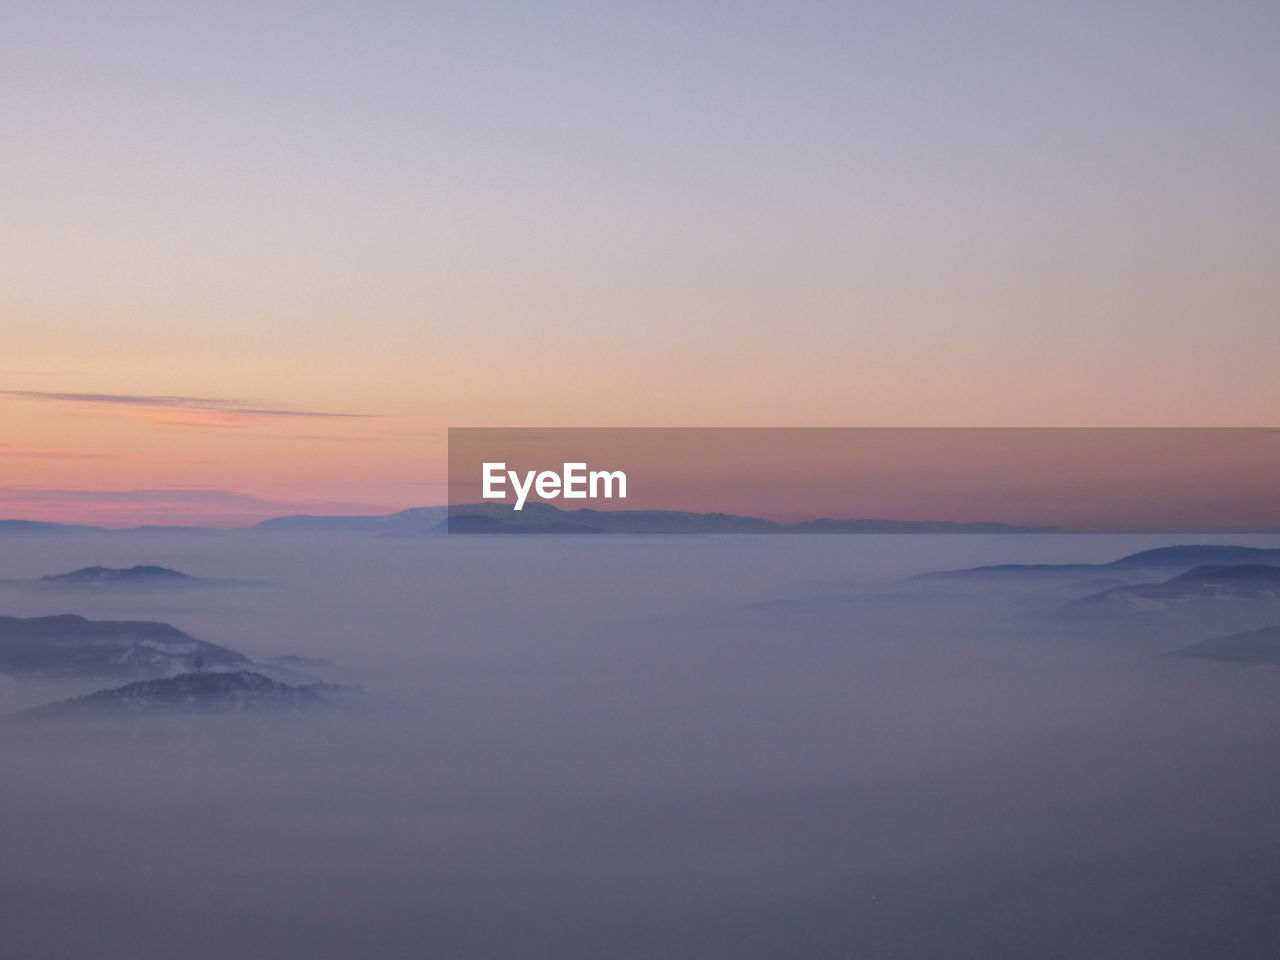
(352,741)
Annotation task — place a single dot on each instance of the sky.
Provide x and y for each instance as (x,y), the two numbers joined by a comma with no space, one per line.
(255,258)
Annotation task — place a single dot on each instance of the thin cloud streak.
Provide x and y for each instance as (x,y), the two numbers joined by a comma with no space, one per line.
(7,451)
(223,406)
(157,496)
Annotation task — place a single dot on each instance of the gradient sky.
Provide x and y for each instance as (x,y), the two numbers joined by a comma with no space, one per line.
(254,257)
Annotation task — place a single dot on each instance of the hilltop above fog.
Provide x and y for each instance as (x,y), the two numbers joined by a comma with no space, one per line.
(237,691)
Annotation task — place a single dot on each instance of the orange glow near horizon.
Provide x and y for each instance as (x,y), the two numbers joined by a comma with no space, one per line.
(112,464)
(127,460)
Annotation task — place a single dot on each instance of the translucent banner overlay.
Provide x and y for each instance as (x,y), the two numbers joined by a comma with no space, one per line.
(861,480)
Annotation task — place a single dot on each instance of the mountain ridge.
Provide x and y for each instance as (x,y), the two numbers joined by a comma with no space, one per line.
(238,691)
(1249,646)
(544,518)
(67,644)
(99,576)
(1246,581)
(1178,557)
(418,521)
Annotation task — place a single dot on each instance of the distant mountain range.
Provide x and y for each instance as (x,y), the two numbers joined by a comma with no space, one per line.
(222,692)
(538,518)
(141,576)
(1246,581)
(544,518)
(412,522)
(1251,646)
(71,646)
(1159,560)
(38,527)
(42,528)
(111,576)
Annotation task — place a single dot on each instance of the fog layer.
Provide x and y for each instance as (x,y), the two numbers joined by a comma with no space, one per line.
(643,747)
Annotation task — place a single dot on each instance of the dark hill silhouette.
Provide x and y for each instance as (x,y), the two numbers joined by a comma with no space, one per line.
(1251,646)
(143,576)
(45,528)
(211,692)
(71,646)
(545,518)
(1158,560)
(110,576)
(1249,581)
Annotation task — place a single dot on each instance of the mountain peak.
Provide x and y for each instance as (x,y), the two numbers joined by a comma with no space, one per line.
(99,576)
(232,691)
(67,645)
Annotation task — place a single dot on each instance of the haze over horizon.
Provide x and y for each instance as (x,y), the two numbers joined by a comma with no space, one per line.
(692,748)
